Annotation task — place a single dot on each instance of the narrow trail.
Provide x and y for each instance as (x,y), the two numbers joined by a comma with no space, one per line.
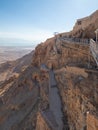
(55,101)
(55,105)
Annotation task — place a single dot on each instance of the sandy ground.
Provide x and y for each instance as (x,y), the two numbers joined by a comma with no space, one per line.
(13,53)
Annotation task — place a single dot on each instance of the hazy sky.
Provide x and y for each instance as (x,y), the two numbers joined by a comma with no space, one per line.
(36,20)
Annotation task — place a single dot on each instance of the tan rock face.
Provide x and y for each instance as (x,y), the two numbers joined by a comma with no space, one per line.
(85,28)
(71,54)
(77,94)
(76,71)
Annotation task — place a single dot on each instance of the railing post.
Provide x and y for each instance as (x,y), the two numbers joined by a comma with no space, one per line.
(94,50)
(96,31)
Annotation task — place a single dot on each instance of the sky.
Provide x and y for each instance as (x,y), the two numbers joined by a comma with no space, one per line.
(27,22)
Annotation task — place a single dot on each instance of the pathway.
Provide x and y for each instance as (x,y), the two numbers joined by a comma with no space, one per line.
(55,101)
(55,106)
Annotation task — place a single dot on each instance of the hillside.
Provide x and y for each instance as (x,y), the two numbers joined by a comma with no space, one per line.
(11,53)
(53,88)
(14,68)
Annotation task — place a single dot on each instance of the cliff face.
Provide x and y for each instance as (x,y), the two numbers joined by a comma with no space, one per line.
(85,28)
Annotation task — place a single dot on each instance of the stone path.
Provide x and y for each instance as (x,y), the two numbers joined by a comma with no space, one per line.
(55,101)
(52,81)
(55,106)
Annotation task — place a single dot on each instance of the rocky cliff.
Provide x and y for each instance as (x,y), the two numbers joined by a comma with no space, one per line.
(85,27)
(57,89)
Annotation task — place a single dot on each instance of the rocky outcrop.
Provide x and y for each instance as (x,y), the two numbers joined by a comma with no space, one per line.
(71,54)
(85,27)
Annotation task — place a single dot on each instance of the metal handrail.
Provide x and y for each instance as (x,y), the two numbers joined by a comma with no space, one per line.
(78,40)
